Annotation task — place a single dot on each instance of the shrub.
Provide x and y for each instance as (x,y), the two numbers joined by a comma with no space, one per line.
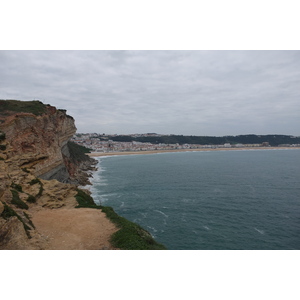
(16,187)
(17,201)
(84,200)
(34,181)
(2,147)
(31,199)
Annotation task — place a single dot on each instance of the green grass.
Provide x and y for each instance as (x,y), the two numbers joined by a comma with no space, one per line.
(31,199)
(34,181)
(17,201)
(130,236)
(78,152)
(34,107)
(16,187)
(84,200)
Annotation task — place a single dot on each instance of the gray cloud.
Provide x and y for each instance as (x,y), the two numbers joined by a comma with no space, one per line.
(180,92)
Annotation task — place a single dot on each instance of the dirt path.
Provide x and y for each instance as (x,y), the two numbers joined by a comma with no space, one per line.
(74,229)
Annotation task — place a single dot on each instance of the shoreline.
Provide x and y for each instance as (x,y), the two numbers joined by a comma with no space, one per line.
(99,154)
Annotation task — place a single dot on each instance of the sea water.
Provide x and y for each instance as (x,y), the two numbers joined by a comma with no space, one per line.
(207,200)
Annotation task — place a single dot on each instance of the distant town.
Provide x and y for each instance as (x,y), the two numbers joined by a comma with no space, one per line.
(153,141)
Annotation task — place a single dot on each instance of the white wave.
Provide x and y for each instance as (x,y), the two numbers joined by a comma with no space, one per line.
(162,213)
(152,228)
(144,214)
(206,227)
(260,231)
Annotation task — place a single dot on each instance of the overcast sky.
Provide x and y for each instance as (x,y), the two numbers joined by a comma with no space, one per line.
(170,92)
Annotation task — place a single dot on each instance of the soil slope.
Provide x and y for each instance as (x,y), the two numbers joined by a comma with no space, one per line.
(74,229)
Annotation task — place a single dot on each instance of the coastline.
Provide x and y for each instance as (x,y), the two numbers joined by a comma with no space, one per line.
(99,154)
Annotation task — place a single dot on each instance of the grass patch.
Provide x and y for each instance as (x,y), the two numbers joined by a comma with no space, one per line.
(17,201)
(34,181)
(84,200)
(35,107)
(31,199)
(17,187)
(78,152)
(131,236)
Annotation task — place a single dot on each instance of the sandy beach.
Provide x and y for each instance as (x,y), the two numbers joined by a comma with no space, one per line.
(98,154)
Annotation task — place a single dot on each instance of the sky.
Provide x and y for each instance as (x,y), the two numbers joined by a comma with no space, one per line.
(169,92)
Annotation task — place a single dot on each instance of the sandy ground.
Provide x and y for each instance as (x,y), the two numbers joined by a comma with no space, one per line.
(96,154)
(74,229)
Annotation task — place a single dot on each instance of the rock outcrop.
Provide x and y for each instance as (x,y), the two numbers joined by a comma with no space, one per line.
(37,142)
(37,169)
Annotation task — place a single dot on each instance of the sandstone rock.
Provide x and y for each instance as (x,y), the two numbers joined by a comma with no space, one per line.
(57,194)
(37,141)
(13,235)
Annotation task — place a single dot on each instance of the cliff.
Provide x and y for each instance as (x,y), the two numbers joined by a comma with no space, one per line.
(38,140)
(37,169)
(40,170)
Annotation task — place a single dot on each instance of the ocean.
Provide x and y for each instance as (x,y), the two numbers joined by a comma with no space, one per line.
(212,200)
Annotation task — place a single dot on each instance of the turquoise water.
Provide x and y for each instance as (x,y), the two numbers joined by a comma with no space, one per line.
(207,200)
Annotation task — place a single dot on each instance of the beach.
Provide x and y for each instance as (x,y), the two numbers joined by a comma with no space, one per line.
(98,154)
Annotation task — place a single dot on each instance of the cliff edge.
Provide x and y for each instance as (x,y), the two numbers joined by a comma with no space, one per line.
(40,171)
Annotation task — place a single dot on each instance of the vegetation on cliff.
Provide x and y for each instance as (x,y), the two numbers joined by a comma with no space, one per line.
(34,107)
(78,152)
(17,201)
(130,236)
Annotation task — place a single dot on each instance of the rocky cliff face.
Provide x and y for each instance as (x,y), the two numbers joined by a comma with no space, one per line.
(37,142)
(35,166)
